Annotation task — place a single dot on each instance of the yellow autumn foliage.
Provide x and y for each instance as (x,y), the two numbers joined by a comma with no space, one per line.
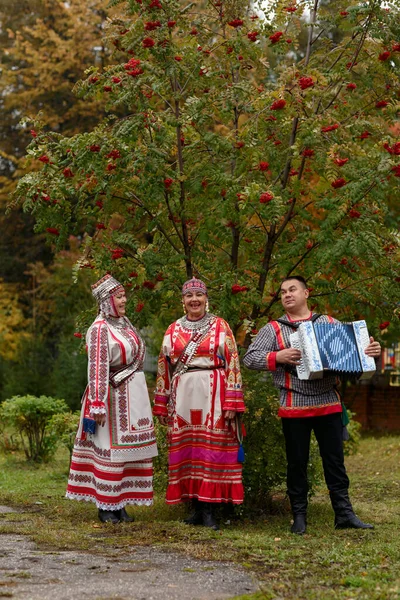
(13,324)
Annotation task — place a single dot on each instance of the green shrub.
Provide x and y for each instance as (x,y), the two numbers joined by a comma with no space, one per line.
(264,469)
(64,426)
(265,466)
(31,417)
(354,429)
(9,440)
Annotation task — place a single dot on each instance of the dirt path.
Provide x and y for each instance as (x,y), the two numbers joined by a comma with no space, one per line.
(144,573)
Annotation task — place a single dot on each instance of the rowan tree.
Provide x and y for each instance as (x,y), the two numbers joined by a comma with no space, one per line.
(230,154)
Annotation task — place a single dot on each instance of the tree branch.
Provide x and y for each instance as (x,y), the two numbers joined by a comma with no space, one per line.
(185,233)
(171,214)
(158,224)
(301,259)
(352,284)
(234,230)
(269,246)
(318,36)
(272,237)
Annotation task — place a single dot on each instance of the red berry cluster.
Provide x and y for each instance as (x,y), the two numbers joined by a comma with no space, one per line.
(237,289)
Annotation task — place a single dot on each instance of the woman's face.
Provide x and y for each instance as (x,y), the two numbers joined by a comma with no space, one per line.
(119,302)
(195,304)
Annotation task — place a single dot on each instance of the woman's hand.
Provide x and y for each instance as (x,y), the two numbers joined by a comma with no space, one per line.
(230,414)
(162,419)
(100,419)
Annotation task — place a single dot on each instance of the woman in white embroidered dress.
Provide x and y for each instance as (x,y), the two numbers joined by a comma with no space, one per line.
(112,458)
(198,396)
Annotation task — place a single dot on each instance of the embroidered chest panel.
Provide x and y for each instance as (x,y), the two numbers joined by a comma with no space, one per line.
(180,337)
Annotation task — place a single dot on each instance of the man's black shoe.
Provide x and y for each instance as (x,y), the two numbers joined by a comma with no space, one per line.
(299,524)
(107,516)
(352,523)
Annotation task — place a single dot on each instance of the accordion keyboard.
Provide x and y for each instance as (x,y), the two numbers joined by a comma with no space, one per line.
(302,371)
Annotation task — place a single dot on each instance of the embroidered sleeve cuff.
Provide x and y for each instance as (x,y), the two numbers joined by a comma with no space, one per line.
(97,410)
(271,361)
(235,406)
(160,410)
(160,398)
(160,405)
(234,401)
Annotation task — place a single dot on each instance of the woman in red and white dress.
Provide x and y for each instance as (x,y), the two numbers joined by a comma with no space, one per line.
(112,458)
(198,395)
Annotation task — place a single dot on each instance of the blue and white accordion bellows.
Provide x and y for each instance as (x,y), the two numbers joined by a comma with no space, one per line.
(337,347)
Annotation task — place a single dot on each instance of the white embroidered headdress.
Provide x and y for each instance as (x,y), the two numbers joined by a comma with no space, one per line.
(103,290)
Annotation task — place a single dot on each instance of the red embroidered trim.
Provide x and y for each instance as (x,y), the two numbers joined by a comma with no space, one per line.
(297,320)
(98,364)
(288,386)
(279,336)
(271,361)
(316,411)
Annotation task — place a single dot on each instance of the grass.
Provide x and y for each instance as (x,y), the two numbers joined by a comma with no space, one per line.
(322,565)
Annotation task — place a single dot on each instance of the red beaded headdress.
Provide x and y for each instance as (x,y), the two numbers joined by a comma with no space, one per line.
(194,285)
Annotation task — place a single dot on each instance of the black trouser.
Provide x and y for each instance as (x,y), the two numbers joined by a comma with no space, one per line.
(328,430)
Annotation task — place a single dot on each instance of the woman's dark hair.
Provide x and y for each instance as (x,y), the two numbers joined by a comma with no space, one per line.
(298,278)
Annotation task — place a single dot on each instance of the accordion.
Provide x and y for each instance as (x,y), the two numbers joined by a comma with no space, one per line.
(333,347)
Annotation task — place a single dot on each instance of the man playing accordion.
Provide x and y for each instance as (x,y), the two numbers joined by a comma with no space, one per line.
(306,405)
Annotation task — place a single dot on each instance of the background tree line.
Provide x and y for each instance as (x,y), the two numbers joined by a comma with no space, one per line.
(46,48)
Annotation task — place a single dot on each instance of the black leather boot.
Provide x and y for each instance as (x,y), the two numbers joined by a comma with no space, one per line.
(107,516)
(344,513)
(353,523)
(196,518)
(299,511)
(299,524)
(208,513)
(123,516)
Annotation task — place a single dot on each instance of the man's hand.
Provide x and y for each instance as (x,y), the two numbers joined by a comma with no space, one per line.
(289,356)
(100,419)
(373,349)
(162,420)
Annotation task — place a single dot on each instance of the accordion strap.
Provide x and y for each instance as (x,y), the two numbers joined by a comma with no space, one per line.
(296,325)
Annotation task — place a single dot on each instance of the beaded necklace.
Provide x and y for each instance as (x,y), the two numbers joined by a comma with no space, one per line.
(185,323)
(118,322)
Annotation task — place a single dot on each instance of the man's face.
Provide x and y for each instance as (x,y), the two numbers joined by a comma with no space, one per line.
(293,295)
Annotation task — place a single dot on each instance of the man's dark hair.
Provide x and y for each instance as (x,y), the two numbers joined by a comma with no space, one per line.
(297,277)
